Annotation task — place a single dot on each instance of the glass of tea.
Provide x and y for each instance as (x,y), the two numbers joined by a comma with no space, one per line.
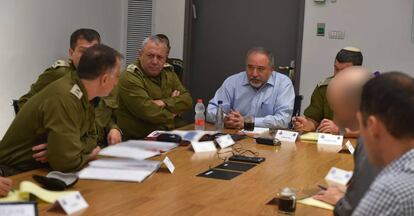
(249,123)
(287,201)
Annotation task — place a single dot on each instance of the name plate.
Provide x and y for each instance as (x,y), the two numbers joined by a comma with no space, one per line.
(72,203)
(207,146)
(225,141)
(324,138)
(338,178)
(18,208)
(349,146)
(169,164)
(287,136)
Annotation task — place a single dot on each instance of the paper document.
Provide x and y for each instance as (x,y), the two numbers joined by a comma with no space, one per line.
(27,187)
(316,203)
(127,152)
(149,145)
(115,174)
(310,136)
(125,163)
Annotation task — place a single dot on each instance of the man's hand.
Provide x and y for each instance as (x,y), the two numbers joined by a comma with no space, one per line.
(299,123)
(40,153)
(5,186)
(234,120)
(94,153)
(328,126)
(175,93)
(331,195)
(114,136)
(159,103)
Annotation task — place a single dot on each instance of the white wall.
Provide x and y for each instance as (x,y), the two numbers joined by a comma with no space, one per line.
(168,18)
(36,33)
(381,28)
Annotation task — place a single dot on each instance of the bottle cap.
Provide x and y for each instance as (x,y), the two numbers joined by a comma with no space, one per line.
(199,100)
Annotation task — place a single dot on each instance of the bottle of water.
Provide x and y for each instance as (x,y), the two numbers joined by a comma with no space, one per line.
(220,117)
(199,119)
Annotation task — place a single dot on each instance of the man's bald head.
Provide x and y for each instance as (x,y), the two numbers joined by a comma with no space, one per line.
(344,92)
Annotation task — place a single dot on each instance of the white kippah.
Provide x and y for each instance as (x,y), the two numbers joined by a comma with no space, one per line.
(352,49)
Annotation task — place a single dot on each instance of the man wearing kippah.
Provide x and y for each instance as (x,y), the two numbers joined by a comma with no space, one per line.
(318,115)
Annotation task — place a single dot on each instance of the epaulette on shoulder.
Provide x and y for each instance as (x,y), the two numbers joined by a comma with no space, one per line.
(168,66)
(60,63)
(132,68)
(324,82)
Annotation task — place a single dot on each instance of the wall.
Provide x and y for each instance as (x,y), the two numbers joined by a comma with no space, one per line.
(36,33)
(381,28)
(168,18)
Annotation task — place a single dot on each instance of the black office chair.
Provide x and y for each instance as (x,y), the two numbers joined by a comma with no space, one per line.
(297,105)
(15,106)
(178,65)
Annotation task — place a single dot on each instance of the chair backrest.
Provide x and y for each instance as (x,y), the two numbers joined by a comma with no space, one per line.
(178,65)
(15,106)
(297,105)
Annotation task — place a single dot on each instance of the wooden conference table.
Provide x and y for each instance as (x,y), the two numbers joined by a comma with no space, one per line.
(300,166)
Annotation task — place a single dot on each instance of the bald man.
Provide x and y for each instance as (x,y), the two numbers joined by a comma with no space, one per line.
(343,94)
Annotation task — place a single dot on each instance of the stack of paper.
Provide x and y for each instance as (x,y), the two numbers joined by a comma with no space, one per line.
(150,145)
(27,188)
(310,136)
(119,169)
(137,149)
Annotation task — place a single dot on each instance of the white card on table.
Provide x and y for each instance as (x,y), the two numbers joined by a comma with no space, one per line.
(203,146)
(225,141)
(169,164)
(338,178)
(350,147)
(72,203)
(18,208)
(324,138)
(286,136)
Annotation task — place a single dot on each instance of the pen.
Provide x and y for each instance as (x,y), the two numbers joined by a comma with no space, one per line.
(322,187)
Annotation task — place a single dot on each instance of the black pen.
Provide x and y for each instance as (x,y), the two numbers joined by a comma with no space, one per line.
(322,187)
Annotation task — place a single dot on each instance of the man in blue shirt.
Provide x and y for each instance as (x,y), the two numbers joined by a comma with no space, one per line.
(386,123)
(259,91)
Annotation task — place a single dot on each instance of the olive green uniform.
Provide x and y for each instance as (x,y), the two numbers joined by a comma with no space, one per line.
(137,114)
(58,70)
(60,116)
(319,108)
(105,117)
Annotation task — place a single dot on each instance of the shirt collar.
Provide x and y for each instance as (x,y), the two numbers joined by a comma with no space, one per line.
(404,162)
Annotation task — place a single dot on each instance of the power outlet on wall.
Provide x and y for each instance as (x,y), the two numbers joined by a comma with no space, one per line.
(337,34)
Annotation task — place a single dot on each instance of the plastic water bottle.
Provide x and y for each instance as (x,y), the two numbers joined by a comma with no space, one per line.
(199,119)
(220,117)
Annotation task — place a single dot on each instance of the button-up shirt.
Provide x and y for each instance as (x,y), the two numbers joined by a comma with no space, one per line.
(271,104)
(392,192)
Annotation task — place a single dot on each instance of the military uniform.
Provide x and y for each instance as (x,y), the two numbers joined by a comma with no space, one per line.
(176,65)
(319,108)
(60,116)
(137,115)
(59,69)
(105,117)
